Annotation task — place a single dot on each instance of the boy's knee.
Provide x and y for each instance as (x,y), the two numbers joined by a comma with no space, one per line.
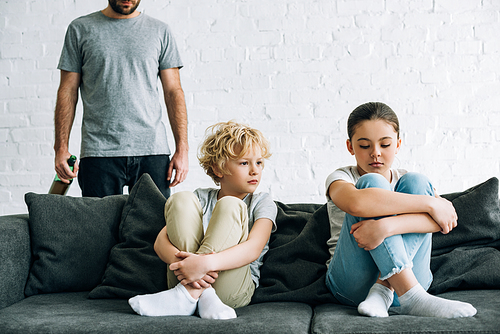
(181,201)
(232,208)
(231,203)
(415,183)
(373,180)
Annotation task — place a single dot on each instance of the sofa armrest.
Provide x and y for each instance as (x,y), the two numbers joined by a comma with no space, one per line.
(15,257)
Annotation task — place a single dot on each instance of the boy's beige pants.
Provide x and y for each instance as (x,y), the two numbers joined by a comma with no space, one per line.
(228,227)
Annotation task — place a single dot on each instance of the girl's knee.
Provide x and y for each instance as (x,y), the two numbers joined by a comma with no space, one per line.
(373,180)
(416,184)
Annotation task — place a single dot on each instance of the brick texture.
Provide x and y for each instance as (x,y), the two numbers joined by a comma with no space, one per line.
(294,69)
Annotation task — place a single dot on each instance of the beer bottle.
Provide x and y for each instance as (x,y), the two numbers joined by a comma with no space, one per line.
(58,187)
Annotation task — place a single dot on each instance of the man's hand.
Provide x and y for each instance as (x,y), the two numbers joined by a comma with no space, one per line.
(62,167)
(180,163)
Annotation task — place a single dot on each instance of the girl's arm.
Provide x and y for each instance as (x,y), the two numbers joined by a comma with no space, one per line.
(375,202)
(370,233)
(194,266)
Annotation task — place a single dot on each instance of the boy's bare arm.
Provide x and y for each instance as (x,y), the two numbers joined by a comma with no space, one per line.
(193,266)
(164,248)
(166,252)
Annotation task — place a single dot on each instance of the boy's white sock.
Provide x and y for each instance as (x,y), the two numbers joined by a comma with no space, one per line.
(176,301)
(377,302)
(211,307)
(419,302)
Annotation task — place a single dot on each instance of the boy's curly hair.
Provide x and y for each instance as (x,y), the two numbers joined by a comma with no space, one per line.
(228,140)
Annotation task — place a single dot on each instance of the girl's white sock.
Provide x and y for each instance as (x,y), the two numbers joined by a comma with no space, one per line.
(211,307)
(176,301)
(419,302)
(377,302)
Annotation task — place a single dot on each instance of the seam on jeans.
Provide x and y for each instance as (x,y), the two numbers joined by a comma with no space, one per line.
(396,271)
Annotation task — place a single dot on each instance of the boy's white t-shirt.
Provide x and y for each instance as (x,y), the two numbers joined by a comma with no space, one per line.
(260,205)
(335,215)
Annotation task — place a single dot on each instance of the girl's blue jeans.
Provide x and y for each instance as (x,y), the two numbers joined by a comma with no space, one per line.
(353,271)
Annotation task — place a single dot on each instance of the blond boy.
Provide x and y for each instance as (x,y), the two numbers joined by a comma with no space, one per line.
(215,239)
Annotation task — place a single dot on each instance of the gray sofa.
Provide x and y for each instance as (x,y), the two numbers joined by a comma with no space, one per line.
(70,265)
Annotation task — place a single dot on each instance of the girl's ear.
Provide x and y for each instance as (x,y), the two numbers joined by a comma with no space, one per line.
(349,146)
(398,145)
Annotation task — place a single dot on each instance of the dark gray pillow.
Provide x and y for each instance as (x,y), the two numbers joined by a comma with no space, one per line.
(133,266)
(70,240)
(294,267)
(478,211)
(469,256)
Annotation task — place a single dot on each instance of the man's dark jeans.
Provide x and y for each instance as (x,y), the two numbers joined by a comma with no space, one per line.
(99,177)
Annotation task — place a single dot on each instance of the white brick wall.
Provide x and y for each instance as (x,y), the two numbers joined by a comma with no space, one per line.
(292,68)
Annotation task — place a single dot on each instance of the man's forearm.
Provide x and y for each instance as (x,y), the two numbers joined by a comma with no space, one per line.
(63,121)
(64,115)
(177,115)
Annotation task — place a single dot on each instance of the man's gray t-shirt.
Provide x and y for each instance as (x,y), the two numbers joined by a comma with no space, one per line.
(335,215)
(120,60)
(259,205)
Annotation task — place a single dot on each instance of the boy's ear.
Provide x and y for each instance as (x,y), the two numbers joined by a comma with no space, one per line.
(217,172)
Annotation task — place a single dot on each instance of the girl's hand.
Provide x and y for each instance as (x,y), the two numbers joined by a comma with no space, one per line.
(192,268)
(444,214)
(369,234)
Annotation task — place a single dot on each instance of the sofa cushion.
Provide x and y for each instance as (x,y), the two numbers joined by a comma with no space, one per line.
(133,267)
(294,267)
(70,240)
(478,211)
(469,256)
(330,318)
(75,313)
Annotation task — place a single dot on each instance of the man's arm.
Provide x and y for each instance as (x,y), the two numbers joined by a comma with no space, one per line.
(177,116)
(67,97)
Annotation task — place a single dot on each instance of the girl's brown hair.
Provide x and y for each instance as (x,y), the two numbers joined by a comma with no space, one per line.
(371,111)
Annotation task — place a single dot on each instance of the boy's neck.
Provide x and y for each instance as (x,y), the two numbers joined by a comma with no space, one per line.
(221,194)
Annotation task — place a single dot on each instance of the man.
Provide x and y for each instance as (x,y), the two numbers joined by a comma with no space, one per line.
(115,57)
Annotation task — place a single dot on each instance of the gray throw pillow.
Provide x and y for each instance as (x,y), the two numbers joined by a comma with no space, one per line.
(478,210)
(469,256)
(133,266)
(70,240)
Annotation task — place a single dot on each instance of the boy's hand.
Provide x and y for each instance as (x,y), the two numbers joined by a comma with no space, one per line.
(192,268)
(369,234)
(206,282)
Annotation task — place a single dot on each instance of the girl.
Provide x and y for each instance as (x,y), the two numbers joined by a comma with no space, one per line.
(215,239)
(373,258)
